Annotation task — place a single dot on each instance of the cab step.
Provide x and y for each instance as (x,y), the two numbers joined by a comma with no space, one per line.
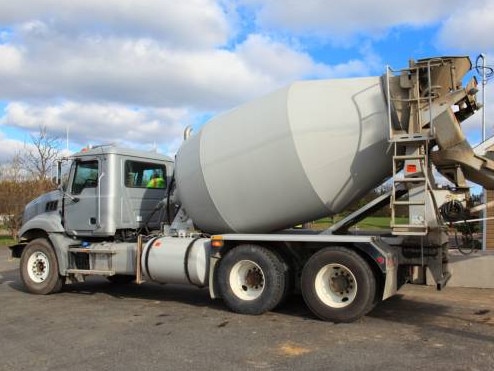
(91,272)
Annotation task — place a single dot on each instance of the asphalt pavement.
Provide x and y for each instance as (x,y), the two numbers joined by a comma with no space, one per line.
(101,326)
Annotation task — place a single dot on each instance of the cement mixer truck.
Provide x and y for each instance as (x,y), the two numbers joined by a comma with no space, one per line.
(222,215)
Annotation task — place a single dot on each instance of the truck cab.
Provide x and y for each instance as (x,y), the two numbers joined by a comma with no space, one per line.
(111,191)
(109,194)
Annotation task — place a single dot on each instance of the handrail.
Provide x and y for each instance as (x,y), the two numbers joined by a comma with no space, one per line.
(429,87)
(99,199)
(388,99)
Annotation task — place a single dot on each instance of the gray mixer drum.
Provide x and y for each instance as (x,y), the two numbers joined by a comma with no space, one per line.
(299,154)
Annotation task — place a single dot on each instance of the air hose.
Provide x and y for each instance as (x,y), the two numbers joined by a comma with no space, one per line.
(455,212)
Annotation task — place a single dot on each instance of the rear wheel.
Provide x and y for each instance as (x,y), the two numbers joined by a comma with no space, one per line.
(338,285)
(252,279)
(39,268)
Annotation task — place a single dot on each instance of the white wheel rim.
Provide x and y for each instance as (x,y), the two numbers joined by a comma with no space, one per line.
(38,267)
(247,280)
(336,285)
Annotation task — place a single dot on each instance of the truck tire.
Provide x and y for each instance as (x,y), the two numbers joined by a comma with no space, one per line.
(338,285)
(252,279)
(39,268)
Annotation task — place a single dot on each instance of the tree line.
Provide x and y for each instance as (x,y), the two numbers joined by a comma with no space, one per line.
(28,174)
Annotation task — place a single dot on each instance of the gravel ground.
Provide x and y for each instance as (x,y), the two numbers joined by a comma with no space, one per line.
(100,326)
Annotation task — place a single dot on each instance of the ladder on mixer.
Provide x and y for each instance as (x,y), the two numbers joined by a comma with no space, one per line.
(410,148)
(416,185)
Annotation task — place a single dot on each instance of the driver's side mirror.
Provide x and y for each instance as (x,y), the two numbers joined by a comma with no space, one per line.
(63,183)
(62,177)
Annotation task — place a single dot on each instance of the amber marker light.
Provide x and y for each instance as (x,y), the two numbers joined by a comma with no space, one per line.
(217,241)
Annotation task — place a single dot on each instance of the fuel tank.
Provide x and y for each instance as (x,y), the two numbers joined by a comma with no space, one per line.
(177,260)
(301,153)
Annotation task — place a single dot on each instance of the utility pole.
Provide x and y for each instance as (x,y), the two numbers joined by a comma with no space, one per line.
(484,83)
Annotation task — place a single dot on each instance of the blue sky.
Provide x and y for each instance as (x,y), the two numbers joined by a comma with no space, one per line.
(137,72)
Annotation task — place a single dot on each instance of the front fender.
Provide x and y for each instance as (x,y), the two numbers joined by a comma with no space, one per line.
(46,222)
(58,241)
(46,225)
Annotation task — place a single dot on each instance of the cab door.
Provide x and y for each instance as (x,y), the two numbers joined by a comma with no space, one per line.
(81,204)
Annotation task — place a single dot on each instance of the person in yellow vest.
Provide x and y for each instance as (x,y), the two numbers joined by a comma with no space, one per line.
(156,181)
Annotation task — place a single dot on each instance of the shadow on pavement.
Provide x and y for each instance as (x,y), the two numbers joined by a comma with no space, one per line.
(431,316)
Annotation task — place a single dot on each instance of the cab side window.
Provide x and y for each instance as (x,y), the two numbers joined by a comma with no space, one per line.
(85,176)
(145,175)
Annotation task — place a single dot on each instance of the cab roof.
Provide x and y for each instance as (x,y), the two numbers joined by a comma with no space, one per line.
(112,149)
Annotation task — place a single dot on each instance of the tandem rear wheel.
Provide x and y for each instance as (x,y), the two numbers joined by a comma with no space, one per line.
(338,285)
(252,279)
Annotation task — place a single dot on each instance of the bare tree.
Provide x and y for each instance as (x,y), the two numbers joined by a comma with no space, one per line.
(12,170)
(26,177)
(14,195)
(39,158)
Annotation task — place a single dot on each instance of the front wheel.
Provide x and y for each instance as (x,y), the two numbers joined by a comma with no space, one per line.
(39,268)
(252,279)
(338,285)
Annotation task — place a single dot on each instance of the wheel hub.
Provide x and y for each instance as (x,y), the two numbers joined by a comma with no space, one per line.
(38,267)
(335,285)
(254,278)
(339,283)
(247,280)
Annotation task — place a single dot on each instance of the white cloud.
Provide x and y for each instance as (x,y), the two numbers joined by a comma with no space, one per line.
(277,60)
(144,72)
(469,28)
(163,54)
(343,20)
(96,124)
(8,148)
(191,23)
(10,60)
